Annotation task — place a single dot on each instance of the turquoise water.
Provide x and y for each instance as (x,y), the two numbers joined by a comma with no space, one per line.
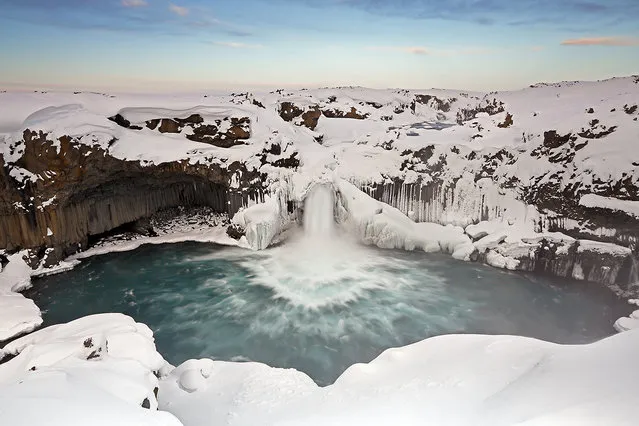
(297,306)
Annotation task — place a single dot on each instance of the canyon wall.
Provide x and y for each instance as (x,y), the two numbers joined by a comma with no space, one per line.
(88,192)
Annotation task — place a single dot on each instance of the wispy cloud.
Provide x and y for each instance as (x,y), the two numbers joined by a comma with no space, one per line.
(179,10)
(422,50)
(415,50)
(532,13)
(602,41)
(134,3)
(236,45)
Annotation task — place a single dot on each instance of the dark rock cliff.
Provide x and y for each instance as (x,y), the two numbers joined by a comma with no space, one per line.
(79,191)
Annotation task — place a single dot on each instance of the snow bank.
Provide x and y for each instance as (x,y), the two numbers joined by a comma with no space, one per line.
(109,351)
(216,235)
(379,224)
(18,314)
(205,392)
(100,367)
(597,201)
(452,380)
(628,323)
(61,399)
(603,248)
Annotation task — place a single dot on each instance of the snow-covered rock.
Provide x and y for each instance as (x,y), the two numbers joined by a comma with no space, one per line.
(101,368)
(18,314)
(452,380)
(108,351)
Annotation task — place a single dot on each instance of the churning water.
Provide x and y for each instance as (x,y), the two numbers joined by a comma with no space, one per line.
(318,303)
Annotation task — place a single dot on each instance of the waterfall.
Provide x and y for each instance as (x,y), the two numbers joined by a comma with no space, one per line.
(634,272)
(318,212)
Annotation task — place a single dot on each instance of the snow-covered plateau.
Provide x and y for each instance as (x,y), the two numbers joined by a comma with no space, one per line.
(544,179)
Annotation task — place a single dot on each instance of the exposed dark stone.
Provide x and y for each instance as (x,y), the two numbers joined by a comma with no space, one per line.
(146,403)
(190,120)
(590,111)
(590,134)
(168,125)
(291,162)
(121,121)
(489,107)
(508,121)
(153,124)
(375,105)
(88,342)
(289,111)
(235,135)
(235,232)
(352,114)
(553,140)
(311,117)
(435,102)
(630,109)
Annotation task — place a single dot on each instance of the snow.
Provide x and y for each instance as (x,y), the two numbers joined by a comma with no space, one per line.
(629,207)
(18,314)
(101,364)
(216,235)
(261,223)
(630,322)
(452,380)
(63,399)
(603,248)
(379,224)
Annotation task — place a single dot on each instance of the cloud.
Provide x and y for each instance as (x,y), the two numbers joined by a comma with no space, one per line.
(134,3)
(602,41)
(179,10)
(578,14)
(236,45)
(415,50)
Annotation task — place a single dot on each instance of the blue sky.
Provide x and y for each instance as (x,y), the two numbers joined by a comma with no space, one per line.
(149,45)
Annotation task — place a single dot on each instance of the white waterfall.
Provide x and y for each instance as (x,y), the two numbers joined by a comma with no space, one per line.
(318,212)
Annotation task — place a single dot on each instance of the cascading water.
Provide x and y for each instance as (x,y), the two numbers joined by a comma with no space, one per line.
(318,213)
(633,277)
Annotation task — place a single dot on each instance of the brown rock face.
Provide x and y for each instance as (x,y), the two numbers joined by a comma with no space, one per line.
(311,117)
(239,129)
(434,102)
(289,111)
(489,107)
(352,114)
(237,133)
(82,191)
(169,126)
(508,121)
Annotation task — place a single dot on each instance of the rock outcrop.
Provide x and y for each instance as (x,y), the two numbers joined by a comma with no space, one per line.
(78,191)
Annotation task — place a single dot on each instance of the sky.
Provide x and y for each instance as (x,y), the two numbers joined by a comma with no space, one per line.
(159,45)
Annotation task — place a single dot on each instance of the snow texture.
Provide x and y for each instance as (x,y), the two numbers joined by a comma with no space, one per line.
(451,380)
(629,207)
(18,314)
(101,367)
